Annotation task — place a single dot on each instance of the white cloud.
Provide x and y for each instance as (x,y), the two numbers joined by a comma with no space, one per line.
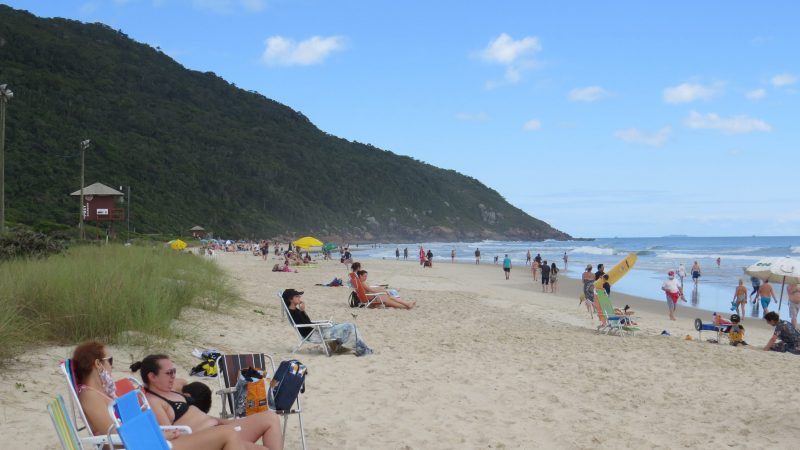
(588,94)
(636,136)
(532,125)
(281,51)
(480,117)
(732,125)
(689,92)
(516,55)
(505,50)
(783,79)
(254,5)
(757,94)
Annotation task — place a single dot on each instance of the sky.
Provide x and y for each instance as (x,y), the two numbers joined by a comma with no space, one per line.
(618,118)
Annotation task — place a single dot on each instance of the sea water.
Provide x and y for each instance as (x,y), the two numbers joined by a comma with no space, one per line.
(656,256)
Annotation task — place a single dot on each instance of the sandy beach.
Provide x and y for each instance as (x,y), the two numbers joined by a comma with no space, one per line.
(481,363)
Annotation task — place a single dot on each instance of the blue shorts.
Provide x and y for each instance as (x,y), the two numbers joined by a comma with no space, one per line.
(765,302)
(695,275)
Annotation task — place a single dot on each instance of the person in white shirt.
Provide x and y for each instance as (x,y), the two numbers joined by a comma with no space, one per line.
(673,292)
(681,275)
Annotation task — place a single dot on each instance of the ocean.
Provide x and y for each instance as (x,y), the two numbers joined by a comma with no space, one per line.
(656,256)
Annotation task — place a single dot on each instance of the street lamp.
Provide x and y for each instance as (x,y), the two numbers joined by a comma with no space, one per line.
(5,96)
(84,146)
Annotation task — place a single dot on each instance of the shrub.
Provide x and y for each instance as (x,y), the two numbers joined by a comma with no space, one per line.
(29,244)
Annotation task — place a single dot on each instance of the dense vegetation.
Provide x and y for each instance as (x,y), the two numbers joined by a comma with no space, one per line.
(103,292)
(198,150)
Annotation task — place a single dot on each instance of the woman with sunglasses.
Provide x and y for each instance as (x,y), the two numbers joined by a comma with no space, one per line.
(173,408)
(96,391)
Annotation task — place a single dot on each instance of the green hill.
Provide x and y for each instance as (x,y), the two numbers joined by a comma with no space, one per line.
(198,150)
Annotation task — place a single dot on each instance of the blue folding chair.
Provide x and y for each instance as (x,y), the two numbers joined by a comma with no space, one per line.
(136,423)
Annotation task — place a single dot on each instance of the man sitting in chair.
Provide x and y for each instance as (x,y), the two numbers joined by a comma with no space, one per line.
(345,334)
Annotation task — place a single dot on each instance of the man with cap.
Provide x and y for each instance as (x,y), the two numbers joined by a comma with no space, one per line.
(345,334)
(673,292)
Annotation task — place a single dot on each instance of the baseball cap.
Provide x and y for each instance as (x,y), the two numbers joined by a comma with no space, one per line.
(289,293)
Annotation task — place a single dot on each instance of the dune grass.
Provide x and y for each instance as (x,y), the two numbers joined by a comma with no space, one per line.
(103,292)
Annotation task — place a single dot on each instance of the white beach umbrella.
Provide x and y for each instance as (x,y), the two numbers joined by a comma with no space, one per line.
(779,269)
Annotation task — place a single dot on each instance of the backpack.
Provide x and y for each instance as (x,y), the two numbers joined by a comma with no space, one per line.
(288,383)
(353,300)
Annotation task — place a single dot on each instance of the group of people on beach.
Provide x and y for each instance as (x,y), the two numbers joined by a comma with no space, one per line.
(170,403)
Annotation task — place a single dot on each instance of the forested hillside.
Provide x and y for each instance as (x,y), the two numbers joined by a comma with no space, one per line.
(198,150)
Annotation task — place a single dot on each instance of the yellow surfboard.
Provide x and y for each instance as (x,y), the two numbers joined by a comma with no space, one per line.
(618,271)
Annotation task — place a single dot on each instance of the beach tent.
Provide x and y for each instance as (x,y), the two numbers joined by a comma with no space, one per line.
(177,244)
(781,269)
(330,246)
(307,242)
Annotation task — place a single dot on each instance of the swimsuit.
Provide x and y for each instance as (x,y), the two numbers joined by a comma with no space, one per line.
(696,274)
(765,302)
(178,407)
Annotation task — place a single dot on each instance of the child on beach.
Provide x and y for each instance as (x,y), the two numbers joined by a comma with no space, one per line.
(606,285)
(736,331)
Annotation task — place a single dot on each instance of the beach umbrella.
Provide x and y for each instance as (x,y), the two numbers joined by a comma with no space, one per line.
(330,246)
(777,269)
(177,244)
(307,242)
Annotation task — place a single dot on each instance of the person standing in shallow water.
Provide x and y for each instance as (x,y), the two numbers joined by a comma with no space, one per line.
(397,253)
(507,266)
(528,258)
(453,255)
(405,253)
(477,256)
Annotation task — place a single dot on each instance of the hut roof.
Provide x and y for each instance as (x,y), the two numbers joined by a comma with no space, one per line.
(197,228)
(97,189)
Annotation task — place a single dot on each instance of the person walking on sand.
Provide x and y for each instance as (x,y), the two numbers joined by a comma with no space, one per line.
(565,260)
(794,302)
(429,257)
(767,294)
(477,256)
(397,253)
(405,253)
(673,293)
(739,299)
(538,259)
(588,289)
(507,266)
(535,270)
(696,273)
(528,258)
(553,278)
(545,276)
(421,256)
(453,255)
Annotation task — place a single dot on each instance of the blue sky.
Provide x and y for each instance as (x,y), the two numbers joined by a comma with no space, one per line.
(602,118)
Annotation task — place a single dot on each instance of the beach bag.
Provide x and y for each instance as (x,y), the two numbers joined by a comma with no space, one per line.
(287,384)
(353,301)
(251,393)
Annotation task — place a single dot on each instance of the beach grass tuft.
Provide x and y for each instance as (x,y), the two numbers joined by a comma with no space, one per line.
(104,293)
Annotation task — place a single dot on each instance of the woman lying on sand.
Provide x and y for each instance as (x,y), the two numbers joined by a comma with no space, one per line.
(345,334)
(96,392)
(173,408)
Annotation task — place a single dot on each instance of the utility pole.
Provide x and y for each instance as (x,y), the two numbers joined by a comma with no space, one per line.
(5,96)
(128,211)
(84,146)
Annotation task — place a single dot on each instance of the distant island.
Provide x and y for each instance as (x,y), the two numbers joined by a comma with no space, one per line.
(197,150)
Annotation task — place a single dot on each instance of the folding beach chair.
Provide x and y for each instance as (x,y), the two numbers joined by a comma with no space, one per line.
(315,337)
(229,367)
(610,321)
(76,411)
(68,435)
(366,299)
(136,425)
(718,325)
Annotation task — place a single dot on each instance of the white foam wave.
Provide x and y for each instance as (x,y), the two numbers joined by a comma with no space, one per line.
(795,249)
(589,250)
(696,256)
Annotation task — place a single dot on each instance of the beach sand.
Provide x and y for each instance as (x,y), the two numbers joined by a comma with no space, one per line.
(481,363)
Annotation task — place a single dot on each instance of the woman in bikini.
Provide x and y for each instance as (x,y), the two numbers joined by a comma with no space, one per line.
(96,391)
(173,408)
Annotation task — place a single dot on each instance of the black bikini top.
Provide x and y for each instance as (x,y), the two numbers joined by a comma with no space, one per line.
(179,407)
